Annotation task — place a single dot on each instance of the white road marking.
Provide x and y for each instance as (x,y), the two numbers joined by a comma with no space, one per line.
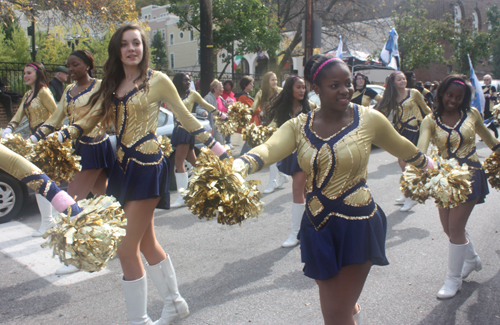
(16,241)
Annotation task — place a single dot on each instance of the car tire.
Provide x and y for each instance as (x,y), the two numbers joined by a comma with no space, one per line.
(11,198)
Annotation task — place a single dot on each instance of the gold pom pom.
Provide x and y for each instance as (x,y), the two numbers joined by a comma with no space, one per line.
(165,145)
(90,240)
(495,111)
(238,116)
(216,191)
(491,167)
(57,159)
(413,183)
(256,135)
(16,143)
(448,183)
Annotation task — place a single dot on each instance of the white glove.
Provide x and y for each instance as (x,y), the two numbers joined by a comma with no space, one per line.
(34,139)
(6,132)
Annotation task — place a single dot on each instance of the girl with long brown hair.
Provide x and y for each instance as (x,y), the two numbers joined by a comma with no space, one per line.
(409,108)
(37,105)
(130,97)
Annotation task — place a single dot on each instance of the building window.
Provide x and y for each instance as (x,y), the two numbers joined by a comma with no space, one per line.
(198,63)
(154,32)
(181,35)
(476,20)
(191,35)
(457,14)
(172,65)
(449,69)
(164,33)
(171,39)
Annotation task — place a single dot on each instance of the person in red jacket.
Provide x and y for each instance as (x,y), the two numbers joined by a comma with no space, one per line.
(243,96)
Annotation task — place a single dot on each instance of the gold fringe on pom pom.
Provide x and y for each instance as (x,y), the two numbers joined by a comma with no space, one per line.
(491,167)
(448,183)
(16,143)
(238,116)
(216,191)
(57,159)
(90,240)
(256,135)
(165,145)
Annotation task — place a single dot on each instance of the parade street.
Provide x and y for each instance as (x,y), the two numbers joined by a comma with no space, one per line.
(242,275)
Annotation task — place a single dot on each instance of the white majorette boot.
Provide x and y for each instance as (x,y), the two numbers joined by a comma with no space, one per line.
(357,316)
(67,269)
(400,200)
(297,213)
(409,203)
(273,174)
(136,298)
(472,260)
(181,179)
(284,178)
(45,208)
(453,282)
(164,279)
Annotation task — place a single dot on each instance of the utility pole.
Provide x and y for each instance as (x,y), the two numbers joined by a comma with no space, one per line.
(206,47)
(309,30)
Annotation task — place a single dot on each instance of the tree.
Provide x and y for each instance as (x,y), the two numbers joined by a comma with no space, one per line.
(89,16)
(493,15)
(411,23)
(159,55)
(240,26)
(466,40)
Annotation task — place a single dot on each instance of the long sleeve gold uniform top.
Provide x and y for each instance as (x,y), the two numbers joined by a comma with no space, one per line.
(38,110)
(458,141)
(258,100)
(411,111)
(69,107)
(136,119)
(365,96)
(336,165)
(194,97)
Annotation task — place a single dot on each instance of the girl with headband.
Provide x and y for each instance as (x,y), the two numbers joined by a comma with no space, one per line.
(290,103)
(343,231)
(95,149)
(363,95)
(130,97)
(409,108)
(37,105)
(268,91)
(182,140)
(452,128)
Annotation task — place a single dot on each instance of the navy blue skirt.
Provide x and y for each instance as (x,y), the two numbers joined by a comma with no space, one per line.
(479,185)
(410,135)
(289,165)
(95,155)
(141,182)
(341,242)
(181,136)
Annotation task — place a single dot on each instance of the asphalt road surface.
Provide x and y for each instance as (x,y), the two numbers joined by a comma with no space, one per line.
(241,275)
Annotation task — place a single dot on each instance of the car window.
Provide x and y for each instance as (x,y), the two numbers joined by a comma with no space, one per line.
(162,118)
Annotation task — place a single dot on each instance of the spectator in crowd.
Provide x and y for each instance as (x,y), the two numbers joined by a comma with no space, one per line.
(411,79)
(285,77)
(211,98)
(6,101)
(229,99)
(243,96)
(490,96)
(56,84)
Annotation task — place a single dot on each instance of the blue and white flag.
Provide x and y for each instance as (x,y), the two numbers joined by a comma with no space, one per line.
(478,100)
(390,53)
(339,48)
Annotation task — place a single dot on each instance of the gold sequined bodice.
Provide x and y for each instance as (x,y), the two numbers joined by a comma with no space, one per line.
(37,111)
(411,111)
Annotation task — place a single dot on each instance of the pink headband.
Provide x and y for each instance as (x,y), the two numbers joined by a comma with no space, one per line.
(459,82)
(34,66)
(295,78)
(323,65)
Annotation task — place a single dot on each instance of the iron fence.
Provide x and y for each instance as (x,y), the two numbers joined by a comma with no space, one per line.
(13,76)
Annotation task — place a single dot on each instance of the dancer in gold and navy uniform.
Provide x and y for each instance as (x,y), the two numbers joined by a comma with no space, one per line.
(264,97)
(490,96)
(37,105)
(453,128)
(409,110)
(343,231)
(291,102)
(182,140)
(363,95)
(130,96)
(95,150)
